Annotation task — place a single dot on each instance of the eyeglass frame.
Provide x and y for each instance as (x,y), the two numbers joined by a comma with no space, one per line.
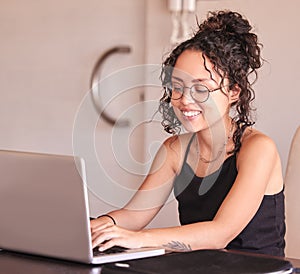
(168,91)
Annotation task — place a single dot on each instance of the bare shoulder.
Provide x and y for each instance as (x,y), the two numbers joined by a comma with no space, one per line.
(259,158)
(254,139)
(257,149)
(175,147)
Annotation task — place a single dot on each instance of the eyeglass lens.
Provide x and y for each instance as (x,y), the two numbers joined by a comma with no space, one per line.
(198,92)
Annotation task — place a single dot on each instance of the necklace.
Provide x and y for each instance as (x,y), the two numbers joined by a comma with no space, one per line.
(203,159)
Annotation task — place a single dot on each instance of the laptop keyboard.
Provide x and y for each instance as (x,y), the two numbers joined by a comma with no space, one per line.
(112,250)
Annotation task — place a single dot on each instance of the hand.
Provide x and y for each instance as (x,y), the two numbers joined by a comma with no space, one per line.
(106,235)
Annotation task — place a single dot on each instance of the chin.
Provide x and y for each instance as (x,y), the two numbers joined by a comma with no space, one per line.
(188,127)
(191,125)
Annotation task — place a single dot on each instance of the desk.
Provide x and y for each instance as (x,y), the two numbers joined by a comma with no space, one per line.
(15,263)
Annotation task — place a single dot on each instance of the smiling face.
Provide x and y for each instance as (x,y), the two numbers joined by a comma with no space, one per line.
(192,69)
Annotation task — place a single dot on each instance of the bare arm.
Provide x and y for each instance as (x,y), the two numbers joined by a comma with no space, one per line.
(258,172)
(152,194)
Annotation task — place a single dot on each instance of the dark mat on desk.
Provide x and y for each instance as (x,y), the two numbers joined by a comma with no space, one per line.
(201,261)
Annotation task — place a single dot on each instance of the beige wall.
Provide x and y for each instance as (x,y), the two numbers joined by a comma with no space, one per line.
(48,52)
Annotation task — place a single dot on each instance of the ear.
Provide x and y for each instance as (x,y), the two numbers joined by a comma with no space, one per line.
(234,94)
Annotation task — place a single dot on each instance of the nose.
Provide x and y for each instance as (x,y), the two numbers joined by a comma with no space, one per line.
(187,97)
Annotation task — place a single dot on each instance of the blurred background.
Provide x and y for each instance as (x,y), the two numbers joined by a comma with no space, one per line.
(49,51)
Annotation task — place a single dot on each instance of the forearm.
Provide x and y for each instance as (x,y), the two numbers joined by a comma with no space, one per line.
(204,235)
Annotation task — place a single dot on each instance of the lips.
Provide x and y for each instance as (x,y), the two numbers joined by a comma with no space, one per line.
(191,113)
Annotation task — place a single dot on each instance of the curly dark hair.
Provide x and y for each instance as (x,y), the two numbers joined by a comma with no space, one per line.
(225,39)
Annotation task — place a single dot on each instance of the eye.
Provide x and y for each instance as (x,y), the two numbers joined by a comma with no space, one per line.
(200,89)
(177,87)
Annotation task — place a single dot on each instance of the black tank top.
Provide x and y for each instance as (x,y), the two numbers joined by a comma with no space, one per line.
(200,198)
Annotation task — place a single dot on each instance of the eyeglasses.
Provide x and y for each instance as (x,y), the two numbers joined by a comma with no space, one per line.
(199,93)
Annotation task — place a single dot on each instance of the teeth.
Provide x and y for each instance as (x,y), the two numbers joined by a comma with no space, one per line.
(191,113)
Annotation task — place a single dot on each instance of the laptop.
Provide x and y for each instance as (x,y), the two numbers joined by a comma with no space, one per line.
(44,209)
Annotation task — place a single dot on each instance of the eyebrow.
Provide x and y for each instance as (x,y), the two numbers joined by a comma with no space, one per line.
(178,79)
(193,81)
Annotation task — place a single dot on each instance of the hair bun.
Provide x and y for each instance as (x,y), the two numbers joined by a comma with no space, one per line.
(227,22)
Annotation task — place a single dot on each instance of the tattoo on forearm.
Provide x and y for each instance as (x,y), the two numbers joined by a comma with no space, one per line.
(178,246)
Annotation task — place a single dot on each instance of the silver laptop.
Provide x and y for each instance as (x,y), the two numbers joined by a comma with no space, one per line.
(44,209)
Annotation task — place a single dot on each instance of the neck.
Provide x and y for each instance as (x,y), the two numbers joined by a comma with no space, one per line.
(215,135)
(211,143)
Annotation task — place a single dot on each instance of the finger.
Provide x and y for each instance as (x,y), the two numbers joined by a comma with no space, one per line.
(100,227)
(93,223)
(108,244)
(102,233)
(101,238)
(97,233)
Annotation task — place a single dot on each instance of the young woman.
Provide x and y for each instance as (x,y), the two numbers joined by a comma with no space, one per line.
(225,174)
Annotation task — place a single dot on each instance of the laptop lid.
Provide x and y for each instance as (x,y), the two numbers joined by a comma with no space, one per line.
(44,209)
(43,205)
